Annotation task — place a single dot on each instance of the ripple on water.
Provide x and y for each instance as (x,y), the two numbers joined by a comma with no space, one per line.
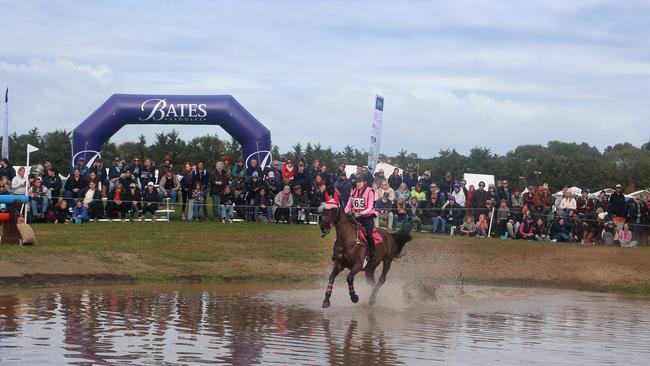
(197,324)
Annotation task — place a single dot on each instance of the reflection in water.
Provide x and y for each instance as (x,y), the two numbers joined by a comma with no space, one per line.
(192,324)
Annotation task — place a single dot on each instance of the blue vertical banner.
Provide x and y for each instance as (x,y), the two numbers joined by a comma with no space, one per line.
(375,133)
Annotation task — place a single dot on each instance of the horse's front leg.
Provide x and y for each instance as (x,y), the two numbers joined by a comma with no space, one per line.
(336,269)
(353,272)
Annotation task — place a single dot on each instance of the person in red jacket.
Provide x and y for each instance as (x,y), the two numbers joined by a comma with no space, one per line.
(361,206)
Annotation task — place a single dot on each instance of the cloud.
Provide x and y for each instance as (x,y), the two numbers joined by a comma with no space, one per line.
(454,74)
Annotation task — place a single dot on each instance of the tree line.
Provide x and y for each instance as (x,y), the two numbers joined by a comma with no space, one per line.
(558,163)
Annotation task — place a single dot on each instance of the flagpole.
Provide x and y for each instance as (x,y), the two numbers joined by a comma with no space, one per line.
(5,132)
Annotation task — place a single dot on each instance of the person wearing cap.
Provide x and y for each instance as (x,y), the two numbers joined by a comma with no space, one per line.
(458,194)
(271,182)
(359,172)
(132,198)
(384,208)
(274,167)
(150,199)
(453,215)
(217,181)
(584,204)
(114,172)
(617,203)
(165,166)
(362,206)
(426,180)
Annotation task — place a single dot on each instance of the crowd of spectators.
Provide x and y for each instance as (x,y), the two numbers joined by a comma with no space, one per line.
(296,192)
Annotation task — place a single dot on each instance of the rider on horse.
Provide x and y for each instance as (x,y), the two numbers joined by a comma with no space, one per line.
(361,205)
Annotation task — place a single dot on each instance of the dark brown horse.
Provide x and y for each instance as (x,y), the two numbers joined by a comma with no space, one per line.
(350,250)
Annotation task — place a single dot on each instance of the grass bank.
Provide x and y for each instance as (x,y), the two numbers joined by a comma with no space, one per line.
(244,252)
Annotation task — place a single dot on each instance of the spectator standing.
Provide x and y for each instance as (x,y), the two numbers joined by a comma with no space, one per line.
(186,189)
(395,179)
(410,178)
(114,172)
(201,176)
(218,180)
(7,170)
(505,193)
(637,216)
(617,203)
(198,200)
(344,188)
(447,184)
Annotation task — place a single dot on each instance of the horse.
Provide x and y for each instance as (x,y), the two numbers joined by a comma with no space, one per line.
(350,250)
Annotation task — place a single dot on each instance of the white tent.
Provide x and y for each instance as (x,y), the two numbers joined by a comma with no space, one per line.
(575,191)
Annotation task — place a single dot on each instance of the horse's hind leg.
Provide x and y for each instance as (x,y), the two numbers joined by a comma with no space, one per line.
(336,269)
(382,278)
(353,272)
(370,275)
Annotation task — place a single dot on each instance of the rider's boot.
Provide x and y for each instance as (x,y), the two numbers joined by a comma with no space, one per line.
(371,247)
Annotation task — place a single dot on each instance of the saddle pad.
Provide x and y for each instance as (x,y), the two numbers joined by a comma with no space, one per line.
(375,234)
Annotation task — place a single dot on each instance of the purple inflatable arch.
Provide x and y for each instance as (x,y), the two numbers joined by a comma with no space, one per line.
(123,109)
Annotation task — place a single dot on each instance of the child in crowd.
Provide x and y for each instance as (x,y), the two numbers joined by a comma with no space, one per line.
(61,213)
(625,237)
(468,228)
(198,199)
(227,200)
(482,225)
(503,214)
(80,213)
(527,229)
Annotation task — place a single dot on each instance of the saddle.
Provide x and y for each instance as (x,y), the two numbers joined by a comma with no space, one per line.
(375,234)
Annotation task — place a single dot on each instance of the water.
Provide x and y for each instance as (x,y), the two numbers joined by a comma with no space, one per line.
(199,324)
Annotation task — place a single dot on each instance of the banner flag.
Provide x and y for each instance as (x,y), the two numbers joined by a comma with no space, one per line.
(31,148)
(375,133)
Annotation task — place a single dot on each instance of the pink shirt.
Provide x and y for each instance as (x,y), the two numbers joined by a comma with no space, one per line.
(625,236)
(362,202)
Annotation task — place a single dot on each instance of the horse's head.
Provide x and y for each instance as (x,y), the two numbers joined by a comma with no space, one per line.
(330,218)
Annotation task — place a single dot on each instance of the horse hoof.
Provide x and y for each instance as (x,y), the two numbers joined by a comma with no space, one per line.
(372,301)
(326,304)
(354,298)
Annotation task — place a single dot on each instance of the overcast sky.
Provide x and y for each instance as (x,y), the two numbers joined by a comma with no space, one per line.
(455,74)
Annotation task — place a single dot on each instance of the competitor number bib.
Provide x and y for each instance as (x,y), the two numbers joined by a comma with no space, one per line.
(359,203)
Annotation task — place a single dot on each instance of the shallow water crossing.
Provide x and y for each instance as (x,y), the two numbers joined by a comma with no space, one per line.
(198,324)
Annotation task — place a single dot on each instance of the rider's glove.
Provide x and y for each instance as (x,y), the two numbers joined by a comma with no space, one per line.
(356,214)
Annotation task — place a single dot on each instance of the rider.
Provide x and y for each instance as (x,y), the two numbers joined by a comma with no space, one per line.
(361,205)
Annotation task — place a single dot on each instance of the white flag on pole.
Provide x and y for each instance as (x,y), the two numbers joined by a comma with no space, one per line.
(31,148)
(375,133)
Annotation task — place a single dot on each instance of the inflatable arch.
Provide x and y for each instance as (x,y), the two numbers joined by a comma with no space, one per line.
(123,109)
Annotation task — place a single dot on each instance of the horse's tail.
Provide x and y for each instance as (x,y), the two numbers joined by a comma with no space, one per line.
(402,236)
